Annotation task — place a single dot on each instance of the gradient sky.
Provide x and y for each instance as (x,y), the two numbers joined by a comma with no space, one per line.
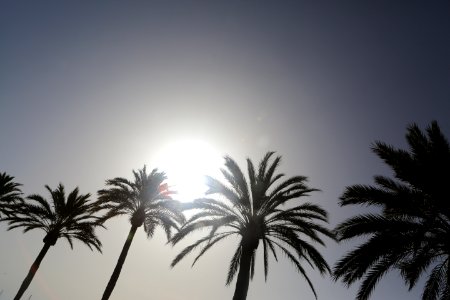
(90,90)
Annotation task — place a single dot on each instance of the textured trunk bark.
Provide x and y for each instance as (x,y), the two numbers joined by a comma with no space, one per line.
(243,279)
(115,275)
(34,267)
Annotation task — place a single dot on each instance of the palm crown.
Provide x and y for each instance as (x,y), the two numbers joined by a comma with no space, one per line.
(10,193)
(69,218)
(251,209)
(147,200)
(411,232)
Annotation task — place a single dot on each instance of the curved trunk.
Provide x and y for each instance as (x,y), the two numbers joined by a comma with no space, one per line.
(115,275)
(34,267)
(243,279)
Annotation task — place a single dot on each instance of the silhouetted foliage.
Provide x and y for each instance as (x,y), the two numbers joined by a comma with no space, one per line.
(411,233)
(252,210)
(10,194)
(69,218)
(147,200)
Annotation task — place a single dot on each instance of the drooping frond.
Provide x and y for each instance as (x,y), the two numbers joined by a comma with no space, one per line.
(265,259)
(375,273)
(234,265)
(211,242)
(212,223)
(188,250)
(436,286)
(298,266)
(252,264)
(412,269)
(208,240)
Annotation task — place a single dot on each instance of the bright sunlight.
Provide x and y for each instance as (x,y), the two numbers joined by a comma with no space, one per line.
(186,162)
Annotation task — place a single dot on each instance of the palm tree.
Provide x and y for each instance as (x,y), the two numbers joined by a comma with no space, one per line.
(147,200)
(10,193)
(70,218)
(409,230)
(251,209)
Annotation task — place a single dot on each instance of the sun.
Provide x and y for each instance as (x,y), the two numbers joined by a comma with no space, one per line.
(186,162)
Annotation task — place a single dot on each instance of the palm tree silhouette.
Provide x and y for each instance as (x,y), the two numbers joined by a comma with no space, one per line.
(70,218)
(251,209)
(10,193)
(147,200)
(411,230)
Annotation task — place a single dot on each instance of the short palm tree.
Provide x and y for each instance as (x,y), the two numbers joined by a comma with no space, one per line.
(10,193)
(70,218)
(147,200)
(252,209)
(410,228)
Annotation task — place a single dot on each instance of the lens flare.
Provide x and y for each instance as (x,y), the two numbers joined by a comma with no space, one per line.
(186,162)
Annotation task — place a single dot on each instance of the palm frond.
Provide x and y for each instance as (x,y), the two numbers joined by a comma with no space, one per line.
(374,275)
(298,266)
(436,282)
(234,265)
(265,259)
(189,249)
(213,240)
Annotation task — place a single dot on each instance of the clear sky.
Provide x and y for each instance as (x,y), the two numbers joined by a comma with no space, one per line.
(90,90)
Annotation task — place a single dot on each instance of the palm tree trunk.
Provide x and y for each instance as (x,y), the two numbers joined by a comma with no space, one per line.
(34,267)
(243,279)
(120,261)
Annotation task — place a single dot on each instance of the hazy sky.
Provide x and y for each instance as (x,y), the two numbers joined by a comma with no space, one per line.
(90,90)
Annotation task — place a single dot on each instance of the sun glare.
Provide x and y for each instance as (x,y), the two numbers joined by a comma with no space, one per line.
(186,162)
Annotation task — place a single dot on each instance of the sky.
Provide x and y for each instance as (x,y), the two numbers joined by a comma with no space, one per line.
(91,90)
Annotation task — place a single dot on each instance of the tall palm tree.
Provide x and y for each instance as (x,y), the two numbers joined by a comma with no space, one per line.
(70,218)
(409,230)
(147,200)
(10,193)
(252,210)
